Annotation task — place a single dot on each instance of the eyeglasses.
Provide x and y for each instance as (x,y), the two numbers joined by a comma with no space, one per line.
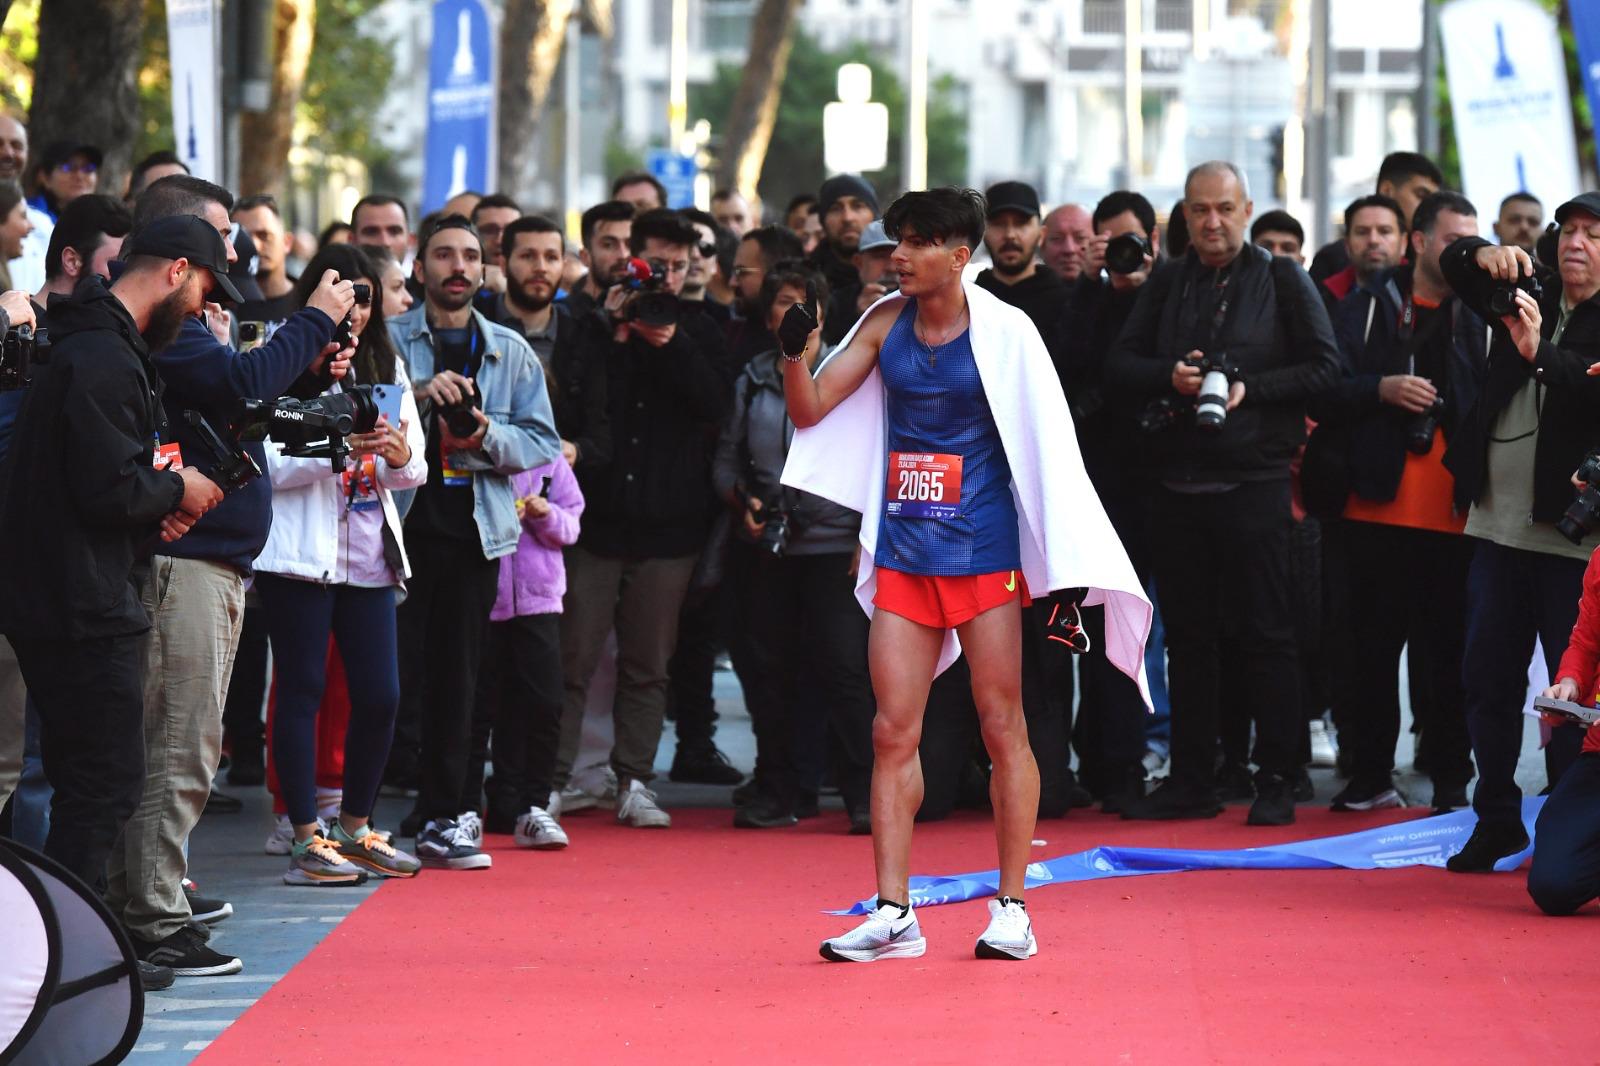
(707,250)
(77,168)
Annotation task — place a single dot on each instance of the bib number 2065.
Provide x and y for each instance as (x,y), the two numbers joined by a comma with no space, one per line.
(924,485)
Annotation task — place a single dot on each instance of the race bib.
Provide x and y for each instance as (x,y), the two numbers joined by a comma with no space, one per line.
(450,475)
(361,484)
(167,456)
(923,485)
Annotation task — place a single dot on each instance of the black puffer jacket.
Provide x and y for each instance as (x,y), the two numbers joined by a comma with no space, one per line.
(1569,426)
(1276,332)
(79,498)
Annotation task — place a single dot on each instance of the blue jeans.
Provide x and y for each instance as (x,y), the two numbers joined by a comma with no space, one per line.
(1157,726)
(30,804)
(1514,596)
(1566,850)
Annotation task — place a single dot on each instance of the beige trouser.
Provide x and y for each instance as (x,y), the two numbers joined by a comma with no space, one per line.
(13,700)
(196,609)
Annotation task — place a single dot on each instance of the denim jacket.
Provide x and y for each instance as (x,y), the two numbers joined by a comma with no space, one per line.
(522,430)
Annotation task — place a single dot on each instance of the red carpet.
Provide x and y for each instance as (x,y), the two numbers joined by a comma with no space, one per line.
(698,945)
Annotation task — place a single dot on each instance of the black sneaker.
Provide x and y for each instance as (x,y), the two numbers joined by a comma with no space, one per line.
(1447,798)
(222,803)
(1131,791)
(1234,783)
(247,772)
(806,806)
(1274,803)
(764,814)
(1488,844)
(703,766)
(1079,797)
(861,823)
(446,844)
(1172,801)
(748,792)
(1375,795)
(205,909)
(186,954)
(1304,790)
(153,977)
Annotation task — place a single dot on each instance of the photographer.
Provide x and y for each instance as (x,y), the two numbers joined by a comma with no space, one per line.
(1221,514)
(647,520)
(83,502)
(195,589)
(1413,360)
(331,566)
(604,228)
(1513,456)
(803,655)
(486,412)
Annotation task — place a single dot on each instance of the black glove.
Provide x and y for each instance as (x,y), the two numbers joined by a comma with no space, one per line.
(798,323)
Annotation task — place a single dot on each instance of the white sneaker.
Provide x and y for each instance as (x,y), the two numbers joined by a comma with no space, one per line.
(1323,750)
(537,829)
(553,806)
(638,809)
(471,827)
(1010,933)
(572,799)
(281,840)
(886,934)
(1155,765)
(609,795)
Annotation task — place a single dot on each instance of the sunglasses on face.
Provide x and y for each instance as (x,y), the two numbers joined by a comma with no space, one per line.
(77,168)
(707,250)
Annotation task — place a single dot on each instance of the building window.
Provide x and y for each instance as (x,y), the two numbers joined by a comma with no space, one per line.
(1174,16)
(1103,16)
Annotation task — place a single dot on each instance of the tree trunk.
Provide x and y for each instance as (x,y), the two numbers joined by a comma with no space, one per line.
(266,136)
(85,85)
(748,131)
(531,37)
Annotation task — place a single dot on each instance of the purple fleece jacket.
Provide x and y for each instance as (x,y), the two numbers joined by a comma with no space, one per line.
(533,580)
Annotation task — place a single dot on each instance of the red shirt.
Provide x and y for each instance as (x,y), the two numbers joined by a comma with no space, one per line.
(1582,659)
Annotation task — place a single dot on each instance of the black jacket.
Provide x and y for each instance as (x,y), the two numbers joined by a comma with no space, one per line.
(844,286)
(1568,425)
(79,499)
(1040,297)
(1375,432)
(1276,332)
(653,500)
(1088,324)
(577,380)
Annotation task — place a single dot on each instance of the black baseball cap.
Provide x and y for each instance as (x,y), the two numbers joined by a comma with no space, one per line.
(1586,201)
(187,237)
(1012,196)
(59,152)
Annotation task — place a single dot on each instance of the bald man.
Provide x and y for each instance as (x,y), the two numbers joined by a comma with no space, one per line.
(1067,230)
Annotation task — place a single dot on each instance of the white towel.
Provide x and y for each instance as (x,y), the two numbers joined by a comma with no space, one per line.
(1067,540)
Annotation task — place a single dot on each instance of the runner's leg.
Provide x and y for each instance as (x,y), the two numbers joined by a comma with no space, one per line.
(993,645)
(902,655)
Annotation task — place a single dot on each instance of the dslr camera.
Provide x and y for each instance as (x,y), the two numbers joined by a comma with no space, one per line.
(1503,295)
(20,350)
(311,429)
(1420,428)
(1210,407)
(650,303)
(777,527)
(1584,511)
(458,416)
(1125,253)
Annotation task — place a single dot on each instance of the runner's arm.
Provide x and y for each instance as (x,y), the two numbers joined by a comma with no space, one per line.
(811,398)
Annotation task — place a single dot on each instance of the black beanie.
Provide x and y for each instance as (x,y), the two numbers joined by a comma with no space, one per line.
(841,185)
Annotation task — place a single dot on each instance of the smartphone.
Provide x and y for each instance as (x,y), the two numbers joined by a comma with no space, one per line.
(544,489)
(387,397)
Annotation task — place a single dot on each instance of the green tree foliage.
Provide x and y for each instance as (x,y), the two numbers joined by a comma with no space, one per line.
(346,83)
(794,161)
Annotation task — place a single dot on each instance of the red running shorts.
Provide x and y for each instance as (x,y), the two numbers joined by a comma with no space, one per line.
(946,602)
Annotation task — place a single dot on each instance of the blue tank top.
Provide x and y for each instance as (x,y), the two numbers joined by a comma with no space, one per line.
(936,404)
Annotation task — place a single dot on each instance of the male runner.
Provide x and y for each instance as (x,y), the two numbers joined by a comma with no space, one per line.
(978,493)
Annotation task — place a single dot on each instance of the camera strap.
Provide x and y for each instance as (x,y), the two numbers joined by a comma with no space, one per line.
(1411,340)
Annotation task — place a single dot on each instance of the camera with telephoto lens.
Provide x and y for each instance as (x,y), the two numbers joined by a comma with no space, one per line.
(1503,294)
(20,351)
(1584,511)
(458,416)
(1420,428)
(1125,253)
(650,303)
(344,333)
(1211,405)
(311,429)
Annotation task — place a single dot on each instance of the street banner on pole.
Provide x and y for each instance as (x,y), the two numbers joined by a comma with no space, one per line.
(1586,30)
(460,151)
(192,29)
(1510,101)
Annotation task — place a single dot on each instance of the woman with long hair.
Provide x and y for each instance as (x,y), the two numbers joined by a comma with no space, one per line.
(333,564)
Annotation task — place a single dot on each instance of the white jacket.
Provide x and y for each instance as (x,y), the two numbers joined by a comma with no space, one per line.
(1067,540)
(308,500)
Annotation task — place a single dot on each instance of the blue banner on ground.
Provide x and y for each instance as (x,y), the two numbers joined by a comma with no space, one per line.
(1419,842)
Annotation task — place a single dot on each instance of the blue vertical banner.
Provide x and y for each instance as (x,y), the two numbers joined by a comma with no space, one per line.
(460,148)
(1586,31)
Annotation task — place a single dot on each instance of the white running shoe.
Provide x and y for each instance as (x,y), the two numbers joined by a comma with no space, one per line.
(471,827)
(884,935)
(281,841)
(537,829)
(1323,750)
(638,809)
(572,799)
(1010,933)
